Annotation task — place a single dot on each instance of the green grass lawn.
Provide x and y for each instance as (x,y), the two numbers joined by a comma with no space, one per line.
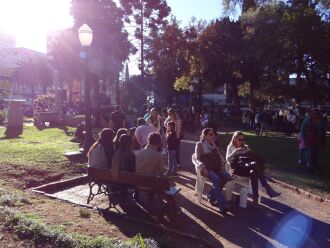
(36,148)
(281,153)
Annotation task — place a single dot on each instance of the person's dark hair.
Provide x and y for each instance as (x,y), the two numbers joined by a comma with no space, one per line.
(141,122)
(171,124)
(106,141)
(119,133)
(205,132)
(125,143)
(154,139)
(131,131)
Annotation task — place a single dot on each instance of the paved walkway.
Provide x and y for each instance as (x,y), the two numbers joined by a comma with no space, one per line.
(290,220)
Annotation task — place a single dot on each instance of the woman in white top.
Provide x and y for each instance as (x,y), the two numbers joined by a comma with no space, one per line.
(154,119)
(101,152)
(211,164)
(247,164)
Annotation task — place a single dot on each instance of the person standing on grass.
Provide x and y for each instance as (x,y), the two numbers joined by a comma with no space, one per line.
(257,122)
(245,121)
(101,152)
(172,143)
(142,132)
(172,116)
(313,131)
(117,119)
(154,119)
(303,153)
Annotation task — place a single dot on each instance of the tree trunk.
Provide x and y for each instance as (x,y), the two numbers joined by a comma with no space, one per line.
(251,102)
(200,91)
(236,98)
(117,91)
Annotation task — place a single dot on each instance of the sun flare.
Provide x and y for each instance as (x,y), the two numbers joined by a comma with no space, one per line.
(30,20)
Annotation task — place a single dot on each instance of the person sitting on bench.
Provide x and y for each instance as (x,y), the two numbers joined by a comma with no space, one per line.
(150,161)
(101,152)
(248,164)
(123,160)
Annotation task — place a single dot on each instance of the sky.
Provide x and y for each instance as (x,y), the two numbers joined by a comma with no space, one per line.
(31,20)
(201,9)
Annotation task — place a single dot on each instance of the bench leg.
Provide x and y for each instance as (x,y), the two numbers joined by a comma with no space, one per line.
(100,190)
(91,195)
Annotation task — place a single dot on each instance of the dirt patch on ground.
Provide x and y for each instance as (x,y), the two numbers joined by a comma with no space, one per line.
(58,213)
(24,177)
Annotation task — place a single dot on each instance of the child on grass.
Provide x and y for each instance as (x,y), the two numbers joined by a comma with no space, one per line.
(172,145)
(303,150)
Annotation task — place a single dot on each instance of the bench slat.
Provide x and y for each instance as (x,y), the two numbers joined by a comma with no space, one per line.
(130,178)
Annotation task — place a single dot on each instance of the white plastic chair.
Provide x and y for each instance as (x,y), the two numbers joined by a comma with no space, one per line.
(229,187)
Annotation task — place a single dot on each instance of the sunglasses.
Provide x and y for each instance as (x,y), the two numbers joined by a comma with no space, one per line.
(211,134)
(241,140)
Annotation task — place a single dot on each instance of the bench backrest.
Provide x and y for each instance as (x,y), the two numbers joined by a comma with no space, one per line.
(155,182)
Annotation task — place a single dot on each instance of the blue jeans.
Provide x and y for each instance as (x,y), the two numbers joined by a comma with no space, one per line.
(219,179)
(303,155)
(172,162)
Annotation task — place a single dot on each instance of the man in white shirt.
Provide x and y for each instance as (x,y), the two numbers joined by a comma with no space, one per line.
(142,132)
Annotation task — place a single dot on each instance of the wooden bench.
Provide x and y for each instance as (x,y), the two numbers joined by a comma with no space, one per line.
(101,180)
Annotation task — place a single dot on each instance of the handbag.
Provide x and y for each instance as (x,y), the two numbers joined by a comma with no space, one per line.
(213,161)
(243,164)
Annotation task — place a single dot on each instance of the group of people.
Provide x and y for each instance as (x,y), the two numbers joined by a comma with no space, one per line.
(139,149)
(242,162)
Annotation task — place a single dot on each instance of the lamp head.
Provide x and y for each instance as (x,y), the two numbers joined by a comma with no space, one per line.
(85,34)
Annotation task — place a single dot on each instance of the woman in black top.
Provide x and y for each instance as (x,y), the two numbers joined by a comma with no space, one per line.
(172,146)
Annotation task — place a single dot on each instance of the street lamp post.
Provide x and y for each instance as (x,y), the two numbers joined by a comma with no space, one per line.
(85,34)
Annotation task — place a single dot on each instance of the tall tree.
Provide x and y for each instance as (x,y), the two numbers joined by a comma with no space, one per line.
(169,45)
(145,16)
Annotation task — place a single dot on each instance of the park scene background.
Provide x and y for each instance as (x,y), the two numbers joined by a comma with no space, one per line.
(253,55)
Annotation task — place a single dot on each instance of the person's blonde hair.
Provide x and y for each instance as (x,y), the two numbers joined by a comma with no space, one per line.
(234,137)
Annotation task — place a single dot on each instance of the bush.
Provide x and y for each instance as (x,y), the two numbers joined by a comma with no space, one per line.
(12,200)
(84,213)
(2,116)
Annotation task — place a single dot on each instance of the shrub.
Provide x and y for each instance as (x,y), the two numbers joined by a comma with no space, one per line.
(84,213)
